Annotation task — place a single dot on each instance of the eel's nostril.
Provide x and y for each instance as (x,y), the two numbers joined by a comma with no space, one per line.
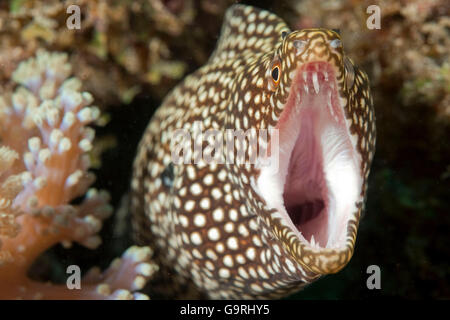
(338,31)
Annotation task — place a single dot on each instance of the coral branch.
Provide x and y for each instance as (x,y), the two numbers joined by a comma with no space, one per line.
(44,162)
(125,275)
(10,186)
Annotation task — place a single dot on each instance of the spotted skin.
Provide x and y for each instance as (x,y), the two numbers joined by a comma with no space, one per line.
(211,229)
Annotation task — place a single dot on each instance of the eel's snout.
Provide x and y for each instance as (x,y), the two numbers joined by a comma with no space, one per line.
(318,46)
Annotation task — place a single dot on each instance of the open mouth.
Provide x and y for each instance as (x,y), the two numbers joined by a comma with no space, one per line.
(317,182)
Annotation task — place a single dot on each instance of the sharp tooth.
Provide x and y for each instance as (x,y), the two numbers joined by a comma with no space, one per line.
(299,97)
(313,242)
(325,75)
(304,76)
(328,242)
(330,106)
(306,88)
(315,82)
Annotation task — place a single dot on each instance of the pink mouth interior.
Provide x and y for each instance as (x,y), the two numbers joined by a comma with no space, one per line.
(307,115)
(305,190)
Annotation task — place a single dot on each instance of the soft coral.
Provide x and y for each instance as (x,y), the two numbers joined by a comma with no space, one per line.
(44,166)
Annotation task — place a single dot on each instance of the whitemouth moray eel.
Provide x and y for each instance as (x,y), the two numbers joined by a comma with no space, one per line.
(248,230)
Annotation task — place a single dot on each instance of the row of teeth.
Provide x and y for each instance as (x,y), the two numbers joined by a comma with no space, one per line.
(315,81)
(330,107)
(314,244)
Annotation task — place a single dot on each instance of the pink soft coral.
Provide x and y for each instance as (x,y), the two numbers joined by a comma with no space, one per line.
(44,162)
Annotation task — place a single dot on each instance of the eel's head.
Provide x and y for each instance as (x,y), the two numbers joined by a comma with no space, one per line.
(321,105)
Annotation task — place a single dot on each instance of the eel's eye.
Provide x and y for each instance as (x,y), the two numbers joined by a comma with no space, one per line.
(275,75)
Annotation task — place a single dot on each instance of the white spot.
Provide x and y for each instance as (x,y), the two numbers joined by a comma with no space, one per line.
(290,265)
(189,205)
(243,273)
(196,189)
(224,273)
(252,224)
(247,97)
(232,243)
(243,230)
(256,241)
(205,203)
(240,259)
(233,214)
(185,238)
(208,179)
(260,27)
(277,249)
(216,193)
(222,175)
(184,221)
(211,254)
(218,214)
(251,253)
(199,220)
(228,261)
(229,227)
(197,254)
(191,172)
(209,265)
(196,238)
(229,199)
(268,30)
(256,287)
(220,247)
(214,234)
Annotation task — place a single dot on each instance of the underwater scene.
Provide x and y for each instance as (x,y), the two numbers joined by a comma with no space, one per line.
(196,149)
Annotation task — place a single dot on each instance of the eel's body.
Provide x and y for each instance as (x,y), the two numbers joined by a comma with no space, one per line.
(249,230)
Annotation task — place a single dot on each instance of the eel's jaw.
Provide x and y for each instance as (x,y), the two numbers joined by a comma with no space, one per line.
(317,182)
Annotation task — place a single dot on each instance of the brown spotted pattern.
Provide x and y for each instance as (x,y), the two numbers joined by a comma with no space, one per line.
(208,225)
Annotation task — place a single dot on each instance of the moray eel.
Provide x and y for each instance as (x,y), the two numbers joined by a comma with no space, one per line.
(255,229)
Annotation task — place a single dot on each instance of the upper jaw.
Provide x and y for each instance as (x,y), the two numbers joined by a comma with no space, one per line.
(317,183)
